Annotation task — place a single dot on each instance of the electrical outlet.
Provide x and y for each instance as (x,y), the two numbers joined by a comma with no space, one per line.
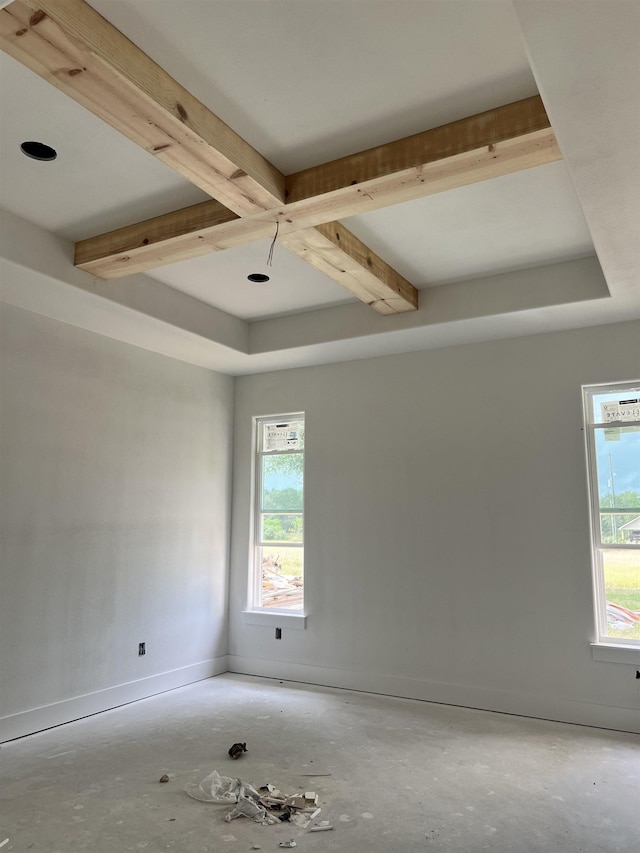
(278,633)
(141,649)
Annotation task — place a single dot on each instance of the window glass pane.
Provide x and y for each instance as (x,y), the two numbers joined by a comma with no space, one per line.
(617,451)
(282,577)
(621,570)
(282,482)
(281,527)
(613,449)
(619,528)
(279,514)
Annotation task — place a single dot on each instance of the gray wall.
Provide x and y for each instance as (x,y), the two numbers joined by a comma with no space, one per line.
(116,466)
(447,538)
(447,531)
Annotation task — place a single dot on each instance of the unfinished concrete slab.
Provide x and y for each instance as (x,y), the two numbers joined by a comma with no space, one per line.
(390,775)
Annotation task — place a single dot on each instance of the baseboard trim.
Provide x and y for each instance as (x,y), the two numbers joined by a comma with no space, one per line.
(505,702)
(48,716)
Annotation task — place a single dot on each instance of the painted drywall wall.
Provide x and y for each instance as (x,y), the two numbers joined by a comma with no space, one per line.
(116,466)
(447,536)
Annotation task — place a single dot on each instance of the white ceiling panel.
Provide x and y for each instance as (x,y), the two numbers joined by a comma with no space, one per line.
(99,181)
(520,220)
(306,81)
(221,280)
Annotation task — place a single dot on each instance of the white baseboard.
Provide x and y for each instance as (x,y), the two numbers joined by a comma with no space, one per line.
(502,701)
(47,716)
(526,705)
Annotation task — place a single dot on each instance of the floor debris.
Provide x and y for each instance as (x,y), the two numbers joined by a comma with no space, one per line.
(291,843)
(221,789)
(266,805)
(306,801)
(163,778)
(237,749)
(300,819)
(247,807)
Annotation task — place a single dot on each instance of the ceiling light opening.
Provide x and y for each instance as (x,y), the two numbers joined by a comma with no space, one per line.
(258,277)
(38,151)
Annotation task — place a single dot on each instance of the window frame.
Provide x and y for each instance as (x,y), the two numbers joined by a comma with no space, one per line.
(605,647)
(256,613)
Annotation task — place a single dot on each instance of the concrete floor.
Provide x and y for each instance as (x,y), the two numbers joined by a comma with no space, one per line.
(405,776)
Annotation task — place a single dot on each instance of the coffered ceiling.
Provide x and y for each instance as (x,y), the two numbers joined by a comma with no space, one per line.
(521,221)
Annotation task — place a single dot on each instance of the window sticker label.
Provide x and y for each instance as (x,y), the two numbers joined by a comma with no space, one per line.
(620,410)
(282,437)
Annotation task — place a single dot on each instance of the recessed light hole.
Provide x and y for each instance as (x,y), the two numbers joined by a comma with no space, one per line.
(258,277)
(38,151)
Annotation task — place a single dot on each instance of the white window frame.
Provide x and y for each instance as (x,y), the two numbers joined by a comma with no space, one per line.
(256,614)
(605,647)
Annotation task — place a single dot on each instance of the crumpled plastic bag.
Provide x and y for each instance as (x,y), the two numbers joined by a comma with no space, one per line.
(224,790)
(215,788)
(249,808)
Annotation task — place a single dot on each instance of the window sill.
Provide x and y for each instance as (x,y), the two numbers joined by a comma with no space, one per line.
(270,619)
(616,654)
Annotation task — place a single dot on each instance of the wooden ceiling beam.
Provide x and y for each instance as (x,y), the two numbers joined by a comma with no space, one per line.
(329,248)
(183,234)
(335,251)
(155,242)
(70,45)
(495,143)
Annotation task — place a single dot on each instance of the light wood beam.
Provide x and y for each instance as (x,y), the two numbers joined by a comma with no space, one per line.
(339,254)
(458,153)
(73,47)
(495,143)
(329,248)
(137,248)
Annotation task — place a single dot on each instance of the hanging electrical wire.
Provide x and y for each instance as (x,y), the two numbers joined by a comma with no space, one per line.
(273,243)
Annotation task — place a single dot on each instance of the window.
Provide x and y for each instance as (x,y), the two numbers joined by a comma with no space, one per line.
(278,565)
(612,426)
